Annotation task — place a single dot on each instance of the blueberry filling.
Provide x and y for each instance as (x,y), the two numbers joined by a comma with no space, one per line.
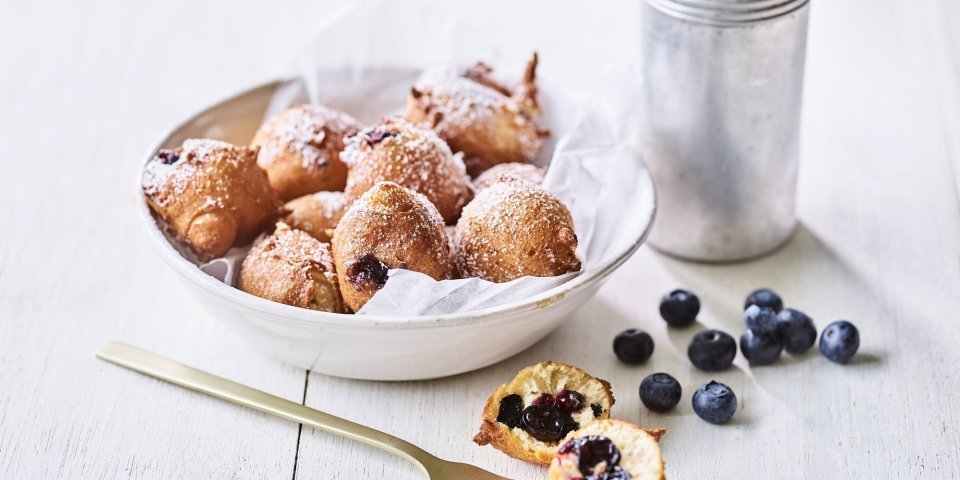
(570,401)
(167,157)
(510,408)
(544,399)
(374,136)
(367,272)
(543,422)
(594,450)
(548,418)
(597,409)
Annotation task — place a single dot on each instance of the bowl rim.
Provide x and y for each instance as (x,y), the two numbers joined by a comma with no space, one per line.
(272,311)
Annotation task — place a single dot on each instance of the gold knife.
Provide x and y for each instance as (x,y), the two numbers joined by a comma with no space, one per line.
(179,374)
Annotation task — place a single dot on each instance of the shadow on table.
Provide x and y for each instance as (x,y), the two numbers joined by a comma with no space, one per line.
(809,276)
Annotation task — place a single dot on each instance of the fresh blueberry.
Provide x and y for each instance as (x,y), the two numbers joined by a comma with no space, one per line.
(764,297)
(679,308)
(796,330)
(761,348)
(760,320)
(633,346)
(714,402)
(712,350)
(839,341)
(660,392)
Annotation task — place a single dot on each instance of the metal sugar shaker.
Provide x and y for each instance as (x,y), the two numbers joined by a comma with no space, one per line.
(723,82)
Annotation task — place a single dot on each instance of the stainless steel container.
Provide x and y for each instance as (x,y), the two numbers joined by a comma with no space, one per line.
(723,81)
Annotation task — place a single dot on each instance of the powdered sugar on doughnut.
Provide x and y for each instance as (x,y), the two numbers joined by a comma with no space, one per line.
(306,129)
(514,229)
(397,151)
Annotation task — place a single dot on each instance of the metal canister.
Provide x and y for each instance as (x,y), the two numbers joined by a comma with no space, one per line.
(723,81)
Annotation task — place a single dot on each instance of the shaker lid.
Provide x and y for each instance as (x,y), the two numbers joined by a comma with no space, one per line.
(727,12)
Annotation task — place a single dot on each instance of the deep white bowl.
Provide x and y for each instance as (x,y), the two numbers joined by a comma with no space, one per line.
(366,346)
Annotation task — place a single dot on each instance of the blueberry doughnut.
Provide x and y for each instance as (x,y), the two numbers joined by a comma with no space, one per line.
(515,229)
(388,227)
(478,116)
(300,149)
(293,268)
(609,449)
(316,214)
(529,418)
(398,151)
(211,193)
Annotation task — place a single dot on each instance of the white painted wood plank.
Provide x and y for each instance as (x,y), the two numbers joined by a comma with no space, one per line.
(85,90)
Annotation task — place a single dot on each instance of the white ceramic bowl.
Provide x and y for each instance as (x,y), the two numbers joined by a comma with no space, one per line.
(365,346)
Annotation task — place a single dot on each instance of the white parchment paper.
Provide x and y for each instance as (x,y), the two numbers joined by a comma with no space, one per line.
(364,63)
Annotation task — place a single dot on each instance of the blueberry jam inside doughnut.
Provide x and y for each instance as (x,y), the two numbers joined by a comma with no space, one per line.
(543,422)
(570,401)
(168,157)
(374,136)
(594,450)
(597,409)
(548,418)
(368,271)
(544,399)
(510,408)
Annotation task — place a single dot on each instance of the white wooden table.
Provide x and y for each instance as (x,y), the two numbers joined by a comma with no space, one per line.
(85,87)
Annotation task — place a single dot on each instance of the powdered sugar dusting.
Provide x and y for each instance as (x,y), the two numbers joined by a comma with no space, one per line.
(314,131)
(399,225)
(395,150)
(506,172)
(291,267)
(478,115)
(513,229)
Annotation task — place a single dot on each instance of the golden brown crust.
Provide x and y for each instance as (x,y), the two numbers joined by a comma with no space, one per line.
(300,149)
(293,268)
(398,151)
(515,229)
(317,213)
(508,172)
(639,448)
(545,377)
(211,193)
(478,116)
(388,227)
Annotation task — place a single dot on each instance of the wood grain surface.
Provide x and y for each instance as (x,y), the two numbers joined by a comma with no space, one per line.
(86,88)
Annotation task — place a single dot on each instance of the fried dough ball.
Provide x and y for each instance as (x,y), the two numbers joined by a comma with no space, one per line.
(396,150)
(294,268)
(563,395)
(300,149)
(388,227)
(508,172)
(478,116)
(515,229)
(609,449)
(211,193)
(317,213)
